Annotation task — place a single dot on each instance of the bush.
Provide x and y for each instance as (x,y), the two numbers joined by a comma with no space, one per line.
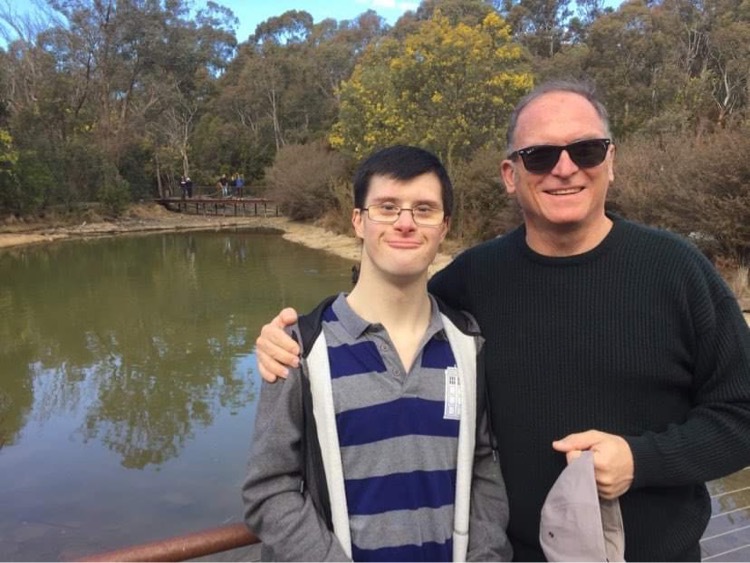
(114,193)
(304,178)
(29,186)
(339,217)
(697,187)
(482,209)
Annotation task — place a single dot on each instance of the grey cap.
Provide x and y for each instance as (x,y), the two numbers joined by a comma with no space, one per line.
(576,524)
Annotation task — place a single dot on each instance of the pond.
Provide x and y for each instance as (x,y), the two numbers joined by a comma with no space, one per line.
(128,387)
(128,382)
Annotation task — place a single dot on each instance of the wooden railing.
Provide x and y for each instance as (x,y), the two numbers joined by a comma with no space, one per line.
(182,548)
(255,207)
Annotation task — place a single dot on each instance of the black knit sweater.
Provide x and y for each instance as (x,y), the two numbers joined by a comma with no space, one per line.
(639,337)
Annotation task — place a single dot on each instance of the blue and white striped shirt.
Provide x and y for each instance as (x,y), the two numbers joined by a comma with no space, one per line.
(398,449)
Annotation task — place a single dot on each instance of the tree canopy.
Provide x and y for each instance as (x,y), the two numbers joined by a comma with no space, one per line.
(114,100)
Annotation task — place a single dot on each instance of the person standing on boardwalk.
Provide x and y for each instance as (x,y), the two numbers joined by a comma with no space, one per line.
(183,187)
(239,184)
(223,185)
(378,448)
(601,335)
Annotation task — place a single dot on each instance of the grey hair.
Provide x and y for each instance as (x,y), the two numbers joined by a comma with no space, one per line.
(583,89)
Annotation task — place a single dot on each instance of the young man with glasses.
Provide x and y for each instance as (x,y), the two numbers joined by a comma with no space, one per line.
(379,448)
(601,335)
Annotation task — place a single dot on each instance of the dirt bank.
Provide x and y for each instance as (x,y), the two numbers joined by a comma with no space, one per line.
(147,218)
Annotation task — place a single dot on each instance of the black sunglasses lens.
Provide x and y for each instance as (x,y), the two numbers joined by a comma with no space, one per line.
(588,154)
(541,159)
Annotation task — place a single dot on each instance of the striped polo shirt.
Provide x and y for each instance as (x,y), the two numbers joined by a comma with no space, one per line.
(398,445)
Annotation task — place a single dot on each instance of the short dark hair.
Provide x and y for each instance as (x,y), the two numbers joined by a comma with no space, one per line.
(584,89)
(401,162)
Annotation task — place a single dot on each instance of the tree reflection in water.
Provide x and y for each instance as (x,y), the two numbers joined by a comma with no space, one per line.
(128,384)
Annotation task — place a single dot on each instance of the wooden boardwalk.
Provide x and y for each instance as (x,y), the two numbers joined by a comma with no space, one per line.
(727,537)
(201,205)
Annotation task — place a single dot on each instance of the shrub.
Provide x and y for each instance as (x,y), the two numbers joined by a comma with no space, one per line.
(339,217)
(697,187)
(303,180)
(482,209)
(114,193)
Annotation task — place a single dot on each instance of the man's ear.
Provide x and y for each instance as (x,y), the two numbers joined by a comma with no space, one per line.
(446,227)
(357,223)
(508,175)
(611,163)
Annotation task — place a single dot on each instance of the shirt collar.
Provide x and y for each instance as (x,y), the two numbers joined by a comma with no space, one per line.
(356,326)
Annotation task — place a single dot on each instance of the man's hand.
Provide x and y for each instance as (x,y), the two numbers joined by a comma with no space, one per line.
(275,350)
(613,460)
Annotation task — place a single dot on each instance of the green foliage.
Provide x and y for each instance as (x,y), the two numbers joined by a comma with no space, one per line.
(112,104)
(9,183)
(470,12)
(135,170)
(36,183)
(114,193)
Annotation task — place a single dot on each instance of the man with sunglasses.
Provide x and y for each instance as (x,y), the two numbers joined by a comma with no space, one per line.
(602,335)
(378,448)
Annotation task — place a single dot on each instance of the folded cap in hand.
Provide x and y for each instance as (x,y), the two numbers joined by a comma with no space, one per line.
(576,524)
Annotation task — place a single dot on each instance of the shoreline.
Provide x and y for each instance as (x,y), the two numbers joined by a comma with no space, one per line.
(152,218)
(142,219)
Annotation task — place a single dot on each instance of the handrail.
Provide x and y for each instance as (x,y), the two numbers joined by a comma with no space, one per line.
(182,548)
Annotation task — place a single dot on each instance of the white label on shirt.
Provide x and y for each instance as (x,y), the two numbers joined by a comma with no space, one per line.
(452,395)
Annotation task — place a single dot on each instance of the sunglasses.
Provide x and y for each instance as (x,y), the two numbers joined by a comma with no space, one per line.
(541,159)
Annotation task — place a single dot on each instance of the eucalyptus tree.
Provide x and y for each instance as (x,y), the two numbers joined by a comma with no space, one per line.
(713,49)
(631,57)
(91,91)
(540,25)
(469,12)
(282,88)
(672,66)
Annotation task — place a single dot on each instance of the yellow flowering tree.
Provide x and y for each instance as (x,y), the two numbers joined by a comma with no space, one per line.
(9,184)
(448,87)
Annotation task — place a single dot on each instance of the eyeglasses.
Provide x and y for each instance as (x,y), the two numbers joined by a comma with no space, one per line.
(423,215)
(541,159)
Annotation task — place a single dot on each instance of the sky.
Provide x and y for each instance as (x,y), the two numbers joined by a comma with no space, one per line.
(252,12)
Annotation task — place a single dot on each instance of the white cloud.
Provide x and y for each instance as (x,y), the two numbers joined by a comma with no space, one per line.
(405,6)
(400,5)
(385,4)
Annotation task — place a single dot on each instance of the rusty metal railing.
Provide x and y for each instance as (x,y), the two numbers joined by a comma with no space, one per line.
(182,548)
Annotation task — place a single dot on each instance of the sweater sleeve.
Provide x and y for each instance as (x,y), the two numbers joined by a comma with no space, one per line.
(280,514)
(714,439)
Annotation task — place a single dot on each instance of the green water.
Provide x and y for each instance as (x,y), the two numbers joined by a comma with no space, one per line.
(128,382)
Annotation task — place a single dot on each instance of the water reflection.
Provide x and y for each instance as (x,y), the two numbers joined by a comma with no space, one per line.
(137,347)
